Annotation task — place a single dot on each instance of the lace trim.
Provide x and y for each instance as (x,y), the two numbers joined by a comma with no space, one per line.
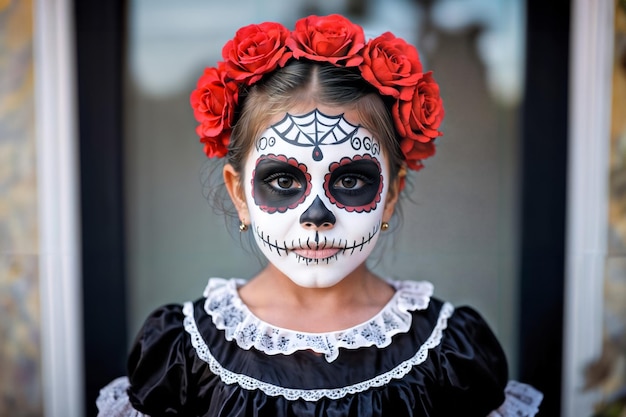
(249,383)
(231,315)
(113,400)
(521,400)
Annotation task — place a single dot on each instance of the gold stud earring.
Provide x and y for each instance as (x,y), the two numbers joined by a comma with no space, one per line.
(384,226)
(242,226)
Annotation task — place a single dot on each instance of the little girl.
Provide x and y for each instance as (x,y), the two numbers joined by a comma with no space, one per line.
(318,127)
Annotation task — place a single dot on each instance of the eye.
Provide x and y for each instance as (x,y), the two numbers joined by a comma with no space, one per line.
(350,182)
(282,181)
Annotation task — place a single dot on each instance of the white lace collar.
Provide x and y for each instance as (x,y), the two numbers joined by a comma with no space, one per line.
(231,315)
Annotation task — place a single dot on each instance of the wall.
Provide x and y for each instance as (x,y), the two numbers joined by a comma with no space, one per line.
(20,327)
(608,372)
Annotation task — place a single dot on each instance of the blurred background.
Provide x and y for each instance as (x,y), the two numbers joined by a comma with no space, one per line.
(108,83)
(459,231)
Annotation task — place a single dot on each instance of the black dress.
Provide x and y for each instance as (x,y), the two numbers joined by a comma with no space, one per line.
(417,357)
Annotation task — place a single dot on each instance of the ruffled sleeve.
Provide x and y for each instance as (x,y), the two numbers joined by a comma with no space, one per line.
(522,400)
(158,363)
(473,367)
(113,400)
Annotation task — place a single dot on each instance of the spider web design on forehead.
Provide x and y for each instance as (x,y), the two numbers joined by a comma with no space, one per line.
(315,129)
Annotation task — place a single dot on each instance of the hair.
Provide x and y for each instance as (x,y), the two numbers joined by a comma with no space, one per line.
(304,82)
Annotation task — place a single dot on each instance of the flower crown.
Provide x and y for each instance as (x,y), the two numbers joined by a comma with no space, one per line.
(388,63)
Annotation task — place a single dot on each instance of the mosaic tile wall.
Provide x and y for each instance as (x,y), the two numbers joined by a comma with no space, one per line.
(615,281)
(609,373)
(20,363)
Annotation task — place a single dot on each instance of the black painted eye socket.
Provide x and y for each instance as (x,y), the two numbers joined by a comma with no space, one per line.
(355,184)
(279,185)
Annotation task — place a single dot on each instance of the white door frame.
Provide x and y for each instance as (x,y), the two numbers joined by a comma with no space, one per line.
(59,210)
(591,65)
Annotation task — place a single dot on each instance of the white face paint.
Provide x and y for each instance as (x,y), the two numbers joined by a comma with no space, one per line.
(316,187)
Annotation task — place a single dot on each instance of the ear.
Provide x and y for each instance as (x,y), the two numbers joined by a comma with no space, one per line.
(394,194)
(234,186)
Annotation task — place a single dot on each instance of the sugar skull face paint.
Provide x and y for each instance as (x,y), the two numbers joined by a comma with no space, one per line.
(315,189)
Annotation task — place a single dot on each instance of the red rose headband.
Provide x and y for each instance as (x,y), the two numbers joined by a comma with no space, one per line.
(388,63)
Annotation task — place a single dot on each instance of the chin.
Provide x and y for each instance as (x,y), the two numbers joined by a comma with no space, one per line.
(308,282)
(315,276)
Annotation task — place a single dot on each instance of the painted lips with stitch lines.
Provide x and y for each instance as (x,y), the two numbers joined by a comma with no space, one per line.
(311,250)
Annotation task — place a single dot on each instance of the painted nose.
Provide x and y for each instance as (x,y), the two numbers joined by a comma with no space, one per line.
(318,216)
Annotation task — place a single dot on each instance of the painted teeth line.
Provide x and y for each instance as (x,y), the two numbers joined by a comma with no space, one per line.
(307,245)
(266,241)
(364,241)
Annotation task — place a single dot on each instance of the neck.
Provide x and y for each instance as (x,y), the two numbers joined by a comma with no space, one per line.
(274,298)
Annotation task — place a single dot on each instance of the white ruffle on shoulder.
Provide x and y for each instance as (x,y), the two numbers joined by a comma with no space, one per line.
(231,315)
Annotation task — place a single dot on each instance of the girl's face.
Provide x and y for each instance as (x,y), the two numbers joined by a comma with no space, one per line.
(316,187)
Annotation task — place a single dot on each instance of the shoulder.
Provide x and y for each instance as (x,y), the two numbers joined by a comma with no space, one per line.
(469,362)
(160,361)
(161,322)
(476,366)
(468,330)
(456,327)
(465,338)
(161,331)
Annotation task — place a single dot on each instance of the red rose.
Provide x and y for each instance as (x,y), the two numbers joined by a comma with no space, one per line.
(415,151)
(213,102)
(215,147)
(390,63)
(419,117)
(256,50)
(331,39)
